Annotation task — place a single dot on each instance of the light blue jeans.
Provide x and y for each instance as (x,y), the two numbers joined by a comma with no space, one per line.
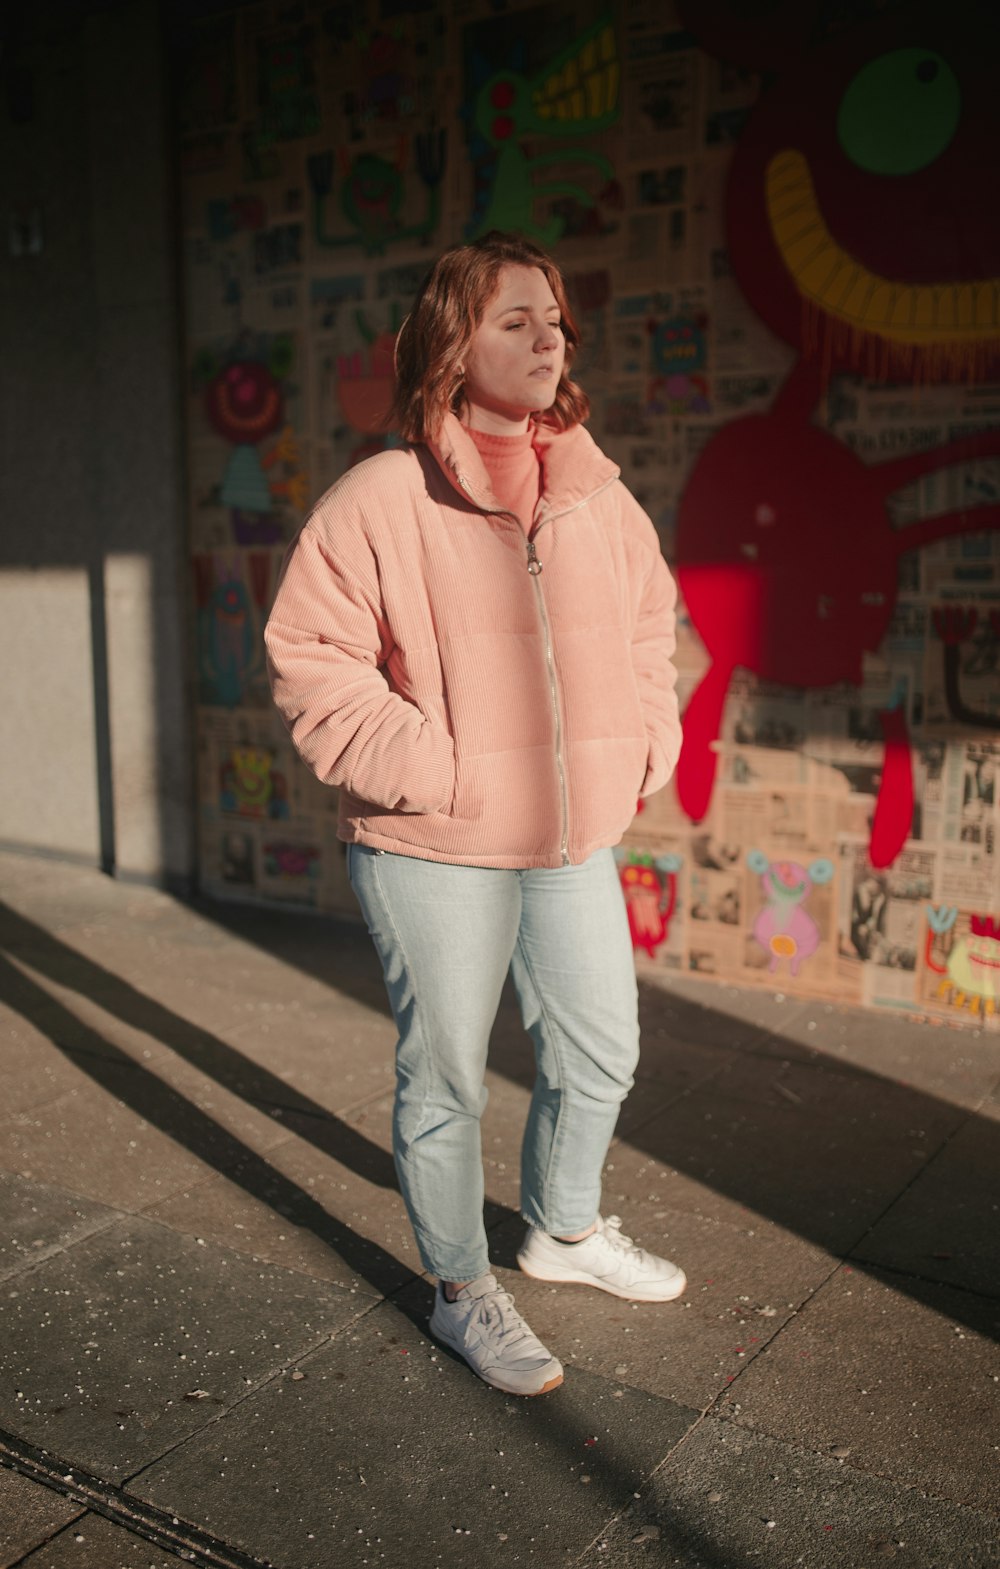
(446,936)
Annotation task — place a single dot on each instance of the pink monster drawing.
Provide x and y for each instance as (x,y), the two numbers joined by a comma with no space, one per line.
(784,928)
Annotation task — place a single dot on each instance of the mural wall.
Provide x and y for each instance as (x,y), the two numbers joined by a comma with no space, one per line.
(778,228)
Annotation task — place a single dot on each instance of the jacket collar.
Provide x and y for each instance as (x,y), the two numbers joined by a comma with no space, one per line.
(573,466)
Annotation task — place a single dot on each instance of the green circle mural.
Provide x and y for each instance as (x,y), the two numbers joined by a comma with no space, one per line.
(900,112)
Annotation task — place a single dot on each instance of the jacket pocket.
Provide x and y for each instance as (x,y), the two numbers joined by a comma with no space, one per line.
(415,675)
(467,800)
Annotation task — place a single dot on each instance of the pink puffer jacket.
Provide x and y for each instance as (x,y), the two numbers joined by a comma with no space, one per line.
(477,696)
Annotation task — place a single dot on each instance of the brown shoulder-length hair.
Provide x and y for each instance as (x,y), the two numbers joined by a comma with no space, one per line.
(433,340)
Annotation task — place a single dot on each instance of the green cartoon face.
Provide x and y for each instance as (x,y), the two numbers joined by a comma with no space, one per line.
(974,965)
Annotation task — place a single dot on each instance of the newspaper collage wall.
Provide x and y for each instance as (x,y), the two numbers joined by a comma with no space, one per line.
(816,445)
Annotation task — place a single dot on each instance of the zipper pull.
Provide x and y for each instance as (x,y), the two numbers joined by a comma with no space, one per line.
(534,565)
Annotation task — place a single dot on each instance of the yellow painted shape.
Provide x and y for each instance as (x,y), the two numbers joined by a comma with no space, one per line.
(965,305)
(840,284)
(925,308)
(805,249)
(986,305)
(880,303)
(854,305)
(843,288)
(817,274)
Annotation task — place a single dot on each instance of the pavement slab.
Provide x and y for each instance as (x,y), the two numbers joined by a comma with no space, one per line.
(713,1014)
(69,1022)
(946,1225)
(37,1220)
(95,1543)
(153,1137)
(29,1515)
(311,945)
(819,1151)
(329,1204)
(675,1065)
(135,1337)
(63,896)
(726,1497)
(165,962)
(252,967)
(388,1450)
(199,1096)
(316,1059)
(36,1071)
(958,1065)
(904,1373)
(339,1051)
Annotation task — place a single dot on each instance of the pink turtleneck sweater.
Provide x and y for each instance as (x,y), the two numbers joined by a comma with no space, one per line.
(514,469)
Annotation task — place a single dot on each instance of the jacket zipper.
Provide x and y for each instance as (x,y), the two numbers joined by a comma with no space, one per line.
(535,569)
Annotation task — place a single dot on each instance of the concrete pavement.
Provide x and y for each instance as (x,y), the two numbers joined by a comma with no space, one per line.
(213,1332)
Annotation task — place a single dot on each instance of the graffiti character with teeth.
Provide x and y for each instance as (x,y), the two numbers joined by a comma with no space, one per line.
(861,228)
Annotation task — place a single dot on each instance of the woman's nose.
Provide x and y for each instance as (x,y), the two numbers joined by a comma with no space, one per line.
(546,338)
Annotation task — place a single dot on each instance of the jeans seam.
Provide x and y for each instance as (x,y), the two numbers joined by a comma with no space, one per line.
(420,1232)
(428,1053)
(557,1052)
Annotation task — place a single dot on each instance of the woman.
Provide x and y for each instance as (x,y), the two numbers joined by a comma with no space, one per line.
(472,639)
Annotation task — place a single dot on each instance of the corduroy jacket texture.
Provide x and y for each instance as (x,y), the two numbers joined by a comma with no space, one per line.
(469,709)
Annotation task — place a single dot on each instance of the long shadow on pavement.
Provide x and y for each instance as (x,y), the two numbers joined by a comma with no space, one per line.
(813,1182)
(817,1145)
(774,1180)
(164,1108)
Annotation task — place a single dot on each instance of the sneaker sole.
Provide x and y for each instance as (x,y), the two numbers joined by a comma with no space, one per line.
(523,1394)
(575,1277)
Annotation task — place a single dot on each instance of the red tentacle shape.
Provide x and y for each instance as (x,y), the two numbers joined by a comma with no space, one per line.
(970,520)
(894,806)
(800,391)
(893,475)
(939,969)
(702,722)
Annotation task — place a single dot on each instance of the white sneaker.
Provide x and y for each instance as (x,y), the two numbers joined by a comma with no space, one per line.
(606,1259)
(484,1327)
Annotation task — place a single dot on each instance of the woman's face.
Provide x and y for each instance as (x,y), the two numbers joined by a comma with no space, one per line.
(515,359)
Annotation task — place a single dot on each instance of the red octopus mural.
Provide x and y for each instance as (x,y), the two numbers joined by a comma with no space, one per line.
(862,229)
(650,889)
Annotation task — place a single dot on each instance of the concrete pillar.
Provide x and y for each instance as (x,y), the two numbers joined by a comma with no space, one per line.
(94,740)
